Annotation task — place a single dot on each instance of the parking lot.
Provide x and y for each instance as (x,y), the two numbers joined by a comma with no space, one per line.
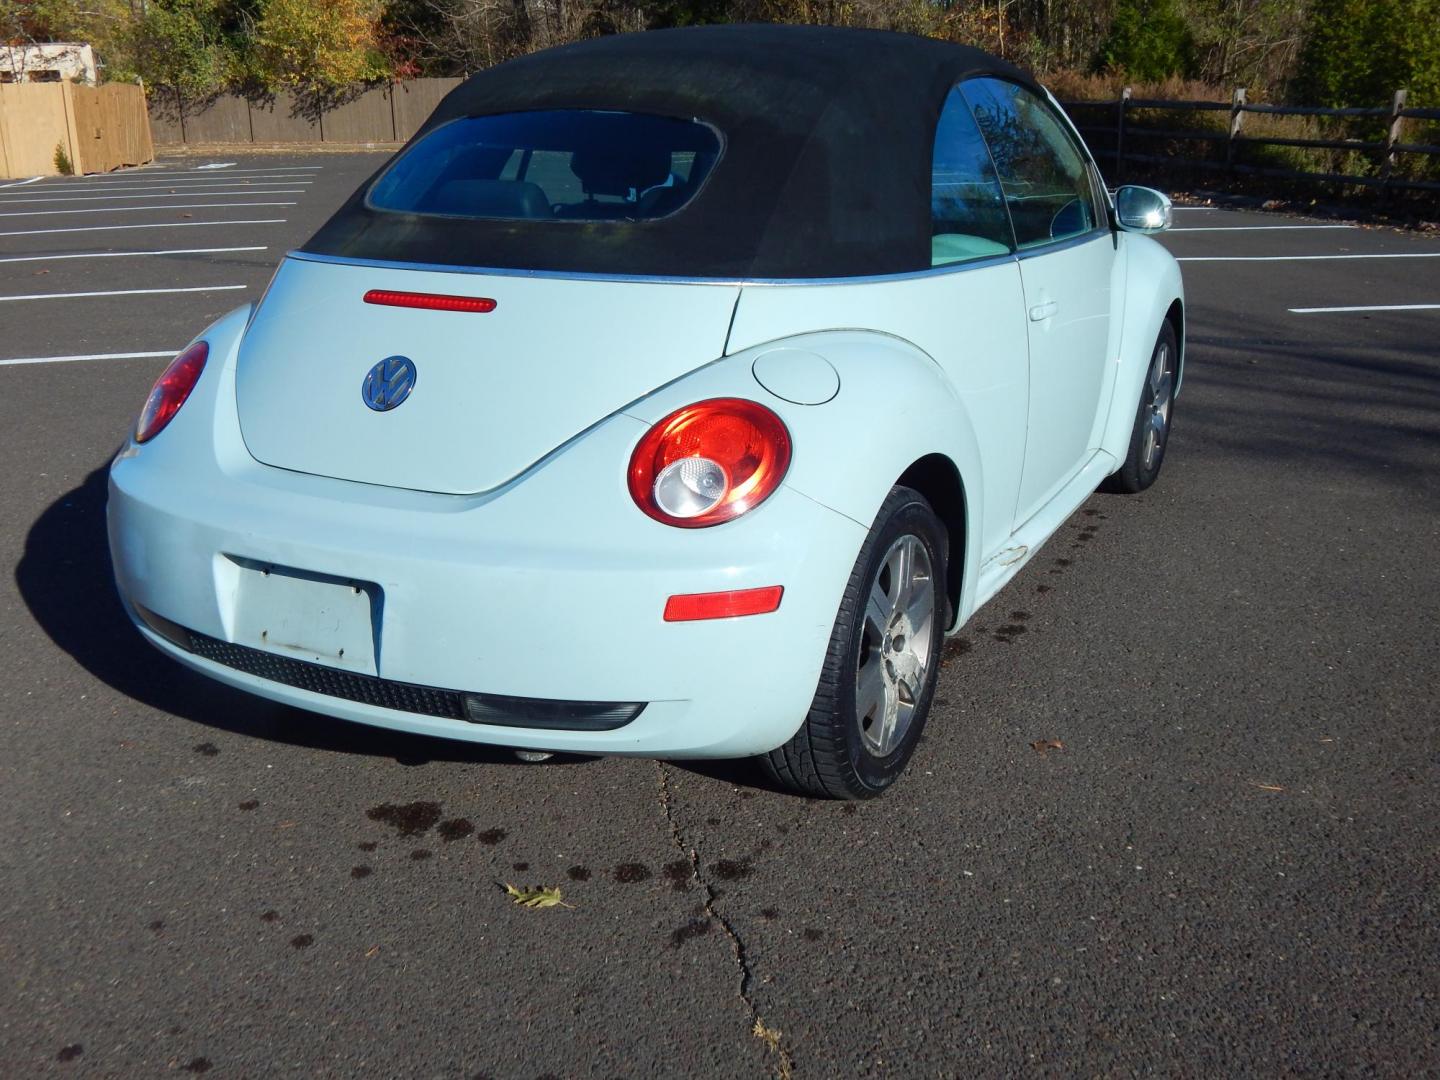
(1175,811)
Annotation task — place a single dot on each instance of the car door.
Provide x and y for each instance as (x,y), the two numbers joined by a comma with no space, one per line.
(982,327)
(1067,255)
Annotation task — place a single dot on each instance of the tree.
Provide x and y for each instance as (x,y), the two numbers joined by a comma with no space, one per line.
(1148,40)
(1358,52)
(319,46)
(1246,42)
(174,43)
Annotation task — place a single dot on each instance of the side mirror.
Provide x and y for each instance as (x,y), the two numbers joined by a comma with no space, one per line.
(1142,209)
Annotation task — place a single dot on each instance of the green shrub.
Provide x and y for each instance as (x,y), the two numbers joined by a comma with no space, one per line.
(1148,40)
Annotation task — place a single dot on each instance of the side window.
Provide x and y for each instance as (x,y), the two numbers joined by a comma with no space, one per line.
(967,208)
(1046,181)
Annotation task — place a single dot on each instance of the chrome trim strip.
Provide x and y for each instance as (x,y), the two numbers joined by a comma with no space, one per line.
(656,279)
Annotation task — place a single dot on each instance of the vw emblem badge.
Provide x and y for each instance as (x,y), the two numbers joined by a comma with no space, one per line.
(388,383)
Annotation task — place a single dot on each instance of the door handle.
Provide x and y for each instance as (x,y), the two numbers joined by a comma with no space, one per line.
(1041,312)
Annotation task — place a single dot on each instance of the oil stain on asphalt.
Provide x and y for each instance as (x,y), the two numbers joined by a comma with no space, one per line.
(692,929)
(678,873)
(731,869)
(412,819)
(455,829)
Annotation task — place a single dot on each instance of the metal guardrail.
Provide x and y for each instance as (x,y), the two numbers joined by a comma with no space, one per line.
(1386,150)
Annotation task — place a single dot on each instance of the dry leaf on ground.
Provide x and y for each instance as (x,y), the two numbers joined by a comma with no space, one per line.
(542,897)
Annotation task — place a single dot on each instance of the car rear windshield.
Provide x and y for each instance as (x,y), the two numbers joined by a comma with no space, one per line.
(580,164)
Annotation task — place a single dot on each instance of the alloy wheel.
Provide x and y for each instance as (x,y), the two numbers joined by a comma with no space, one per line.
(1157,410)
(895,645)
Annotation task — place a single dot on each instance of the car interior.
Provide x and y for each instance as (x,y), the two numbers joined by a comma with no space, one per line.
(580,165)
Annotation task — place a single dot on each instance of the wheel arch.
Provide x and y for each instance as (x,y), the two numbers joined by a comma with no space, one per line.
(936,477)
(1176,317)
(841,461)
(1155,295)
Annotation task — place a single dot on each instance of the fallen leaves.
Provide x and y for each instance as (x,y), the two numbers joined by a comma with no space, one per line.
(530,897)
(1044,746)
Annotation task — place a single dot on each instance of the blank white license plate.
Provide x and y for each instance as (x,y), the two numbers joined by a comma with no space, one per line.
(307,616)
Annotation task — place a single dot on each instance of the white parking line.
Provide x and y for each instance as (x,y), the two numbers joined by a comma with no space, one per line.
(152,225)
(147,209)
(120,292)
(1375,307)
(169,195)
(192,172)
(185,183)
(128,254)
(22,183)
(1256,228)
(86,356)
(1310,258)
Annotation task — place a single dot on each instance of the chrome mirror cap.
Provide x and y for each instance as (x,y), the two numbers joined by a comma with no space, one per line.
(1142,209)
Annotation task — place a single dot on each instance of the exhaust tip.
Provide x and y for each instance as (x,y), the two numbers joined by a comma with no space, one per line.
(534,757)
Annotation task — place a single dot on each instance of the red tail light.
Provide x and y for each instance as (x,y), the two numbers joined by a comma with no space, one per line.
(709,462)
(430,301)
(170,391)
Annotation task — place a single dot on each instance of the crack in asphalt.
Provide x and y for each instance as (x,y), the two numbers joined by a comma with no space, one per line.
(772,1037)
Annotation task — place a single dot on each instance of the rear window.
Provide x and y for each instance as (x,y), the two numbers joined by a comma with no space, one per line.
(581,164)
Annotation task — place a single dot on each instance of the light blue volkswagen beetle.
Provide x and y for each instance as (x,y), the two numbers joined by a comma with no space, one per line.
(668,394)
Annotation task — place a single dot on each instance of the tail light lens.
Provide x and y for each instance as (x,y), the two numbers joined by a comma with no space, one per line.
(709,462)
(170,391)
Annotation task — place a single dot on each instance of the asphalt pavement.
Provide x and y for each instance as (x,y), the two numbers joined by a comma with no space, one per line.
(1175,811)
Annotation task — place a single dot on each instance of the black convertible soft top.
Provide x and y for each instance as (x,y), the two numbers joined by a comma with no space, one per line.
(828,135)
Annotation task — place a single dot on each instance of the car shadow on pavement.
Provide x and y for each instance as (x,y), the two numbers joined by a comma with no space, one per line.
(65,579)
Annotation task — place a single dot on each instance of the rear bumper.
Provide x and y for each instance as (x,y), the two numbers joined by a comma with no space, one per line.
(552,587)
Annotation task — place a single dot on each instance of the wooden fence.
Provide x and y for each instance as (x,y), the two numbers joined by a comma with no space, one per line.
(98,128)
(381,114)
(1123,130)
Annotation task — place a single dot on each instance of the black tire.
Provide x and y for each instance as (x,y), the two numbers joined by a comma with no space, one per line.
(830,756)
(1137,473)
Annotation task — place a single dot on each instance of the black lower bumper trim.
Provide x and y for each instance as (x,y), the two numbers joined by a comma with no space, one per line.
(471,707)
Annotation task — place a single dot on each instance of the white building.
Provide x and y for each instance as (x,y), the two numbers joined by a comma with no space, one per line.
(49,62)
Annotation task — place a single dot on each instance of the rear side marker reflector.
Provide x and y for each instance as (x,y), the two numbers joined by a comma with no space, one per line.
(723,605)
(430,301)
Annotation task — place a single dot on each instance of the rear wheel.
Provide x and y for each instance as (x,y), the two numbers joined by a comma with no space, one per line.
(1153,416)
(882,663)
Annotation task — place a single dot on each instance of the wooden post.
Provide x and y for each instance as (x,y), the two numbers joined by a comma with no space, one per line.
(1237,120)
(72,129)
(1392,136)
(1120,136)
(4,149)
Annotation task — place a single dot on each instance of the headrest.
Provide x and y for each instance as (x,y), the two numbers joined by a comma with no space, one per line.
(614,170)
